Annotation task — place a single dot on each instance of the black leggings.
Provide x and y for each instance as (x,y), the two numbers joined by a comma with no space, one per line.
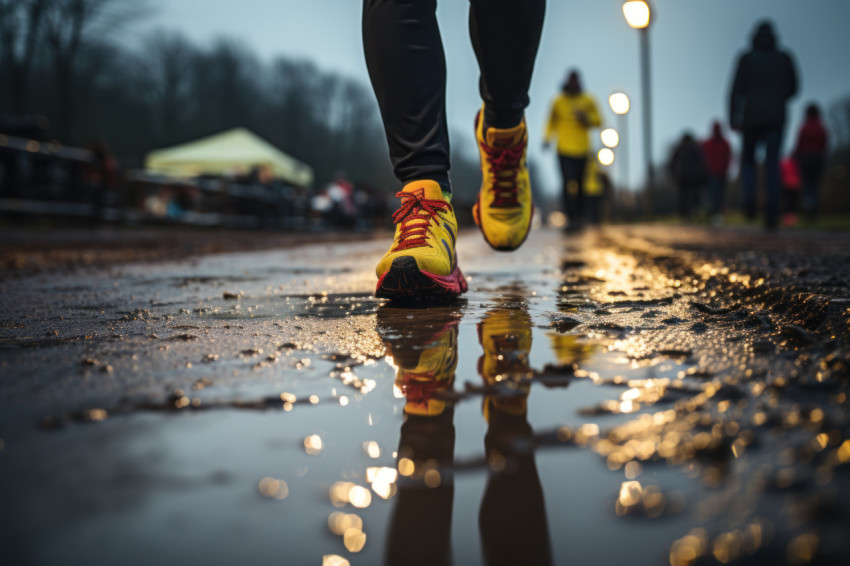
(572,171)
(404,55)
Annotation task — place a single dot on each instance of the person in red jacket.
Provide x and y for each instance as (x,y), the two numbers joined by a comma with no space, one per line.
(810,154)
(718,155)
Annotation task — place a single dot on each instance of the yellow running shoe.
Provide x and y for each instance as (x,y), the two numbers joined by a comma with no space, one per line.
(422,260)
(505,336)
(424,354)
(504,208)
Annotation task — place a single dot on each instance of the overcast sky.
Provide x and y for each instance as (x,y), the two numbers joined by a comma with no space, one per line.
(694,44)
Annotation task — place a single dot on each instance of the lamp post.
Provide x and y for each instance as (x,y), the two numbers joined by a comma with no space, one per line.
(639,16)
(619,102)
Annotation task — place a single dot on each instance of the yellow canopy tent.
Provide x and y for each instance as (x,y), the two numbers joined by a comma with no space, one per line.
(236,150)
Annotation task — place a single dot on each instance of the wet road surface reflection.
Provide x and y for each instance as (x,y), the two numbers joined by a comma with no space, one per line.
(591,405)
(512,517)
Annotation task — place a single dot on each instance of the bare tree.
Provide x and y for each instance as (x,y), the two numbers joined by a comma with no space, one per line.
(167,62)
(69,27)
(840,123)
(20,25)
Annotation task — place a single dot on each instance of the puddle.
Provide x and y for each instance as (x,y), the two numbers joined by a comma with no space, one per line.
(552,416)
(289,307)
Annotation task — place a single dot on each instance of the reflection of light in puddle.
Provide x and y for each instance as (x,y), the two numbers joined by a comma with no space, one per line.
(406,466)
(433,478)
(354,540)
(372,449)
(273,488)
(339,522)
(586,433)
(383,481)
(344,492)
(359,497)
(631,493)
(631,394)
(313,444)
(350,527)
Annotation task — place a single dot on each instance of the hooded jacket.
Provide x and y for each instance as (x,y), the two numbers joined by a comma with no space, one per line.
(563,125)
(717,152)
(765,79)
(812,138)
(688,163)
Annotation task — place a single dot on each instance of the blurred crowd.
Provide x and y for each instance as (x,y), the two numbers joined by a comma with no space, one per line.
(765,79)
(43,178)
(40,176)
(700,172)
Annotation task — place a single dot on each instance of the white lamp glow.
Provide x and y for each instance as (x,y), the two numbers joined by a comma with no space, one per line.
(637,13)
(610,137)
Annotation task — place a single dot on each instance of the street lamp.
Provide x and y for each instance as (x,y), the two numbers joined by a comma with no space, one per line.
(639,16)
(637,13)
(619,102)
(606,156)
(610,137)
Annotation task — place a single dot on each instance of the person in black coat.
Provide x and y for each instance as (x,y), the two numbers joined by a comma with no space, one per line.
(687,167)
(765,79)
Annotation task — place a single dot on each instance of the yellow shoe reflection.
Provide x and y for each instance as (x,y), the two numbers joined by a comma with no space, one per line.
(505,336)
(422,346)
(512,518)
(570,348)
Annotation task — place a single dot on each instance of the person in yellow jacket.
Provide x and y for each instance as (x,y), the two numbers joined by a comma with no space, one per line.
(574,113)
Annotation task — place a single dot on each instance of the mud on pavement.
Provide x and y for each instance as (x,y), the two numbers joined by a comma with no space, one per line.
(641,395)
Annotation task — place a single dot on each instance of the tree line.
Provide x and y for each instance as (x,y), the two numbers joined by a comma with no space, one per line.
(63,59)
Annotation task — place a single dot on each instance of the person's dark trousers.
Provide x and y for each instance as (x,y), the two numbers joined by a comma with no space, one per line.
(421,525)
(717,194)
(512,519)
(404,55)
(792,200)
(811,171)
(572,171)
(594,209)
(771,138)
(688,193)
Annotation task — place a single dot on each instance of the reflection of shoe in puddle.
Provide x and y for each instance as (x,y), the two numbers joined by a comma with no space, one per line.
(512,518)
(570,349)
(422,347)
(505,335)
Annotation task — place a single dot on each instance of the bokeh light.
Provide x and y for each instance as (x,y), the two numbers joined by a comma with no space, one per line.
(557,219)
(372,449)
(606,156)
(610,137)
(313,444)
(637,13)
(273,488)
(619,102)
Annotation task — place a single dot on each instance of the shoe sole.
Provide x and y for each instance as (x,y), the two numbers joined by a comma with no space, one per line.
(476,215)
(404,280)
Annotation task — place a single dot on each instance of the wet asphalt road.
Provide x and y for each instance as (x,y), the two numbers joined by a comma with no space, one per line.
(640,396)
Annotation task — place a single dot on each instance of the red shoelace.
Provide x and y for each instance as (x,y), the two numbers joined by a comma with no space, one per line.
(420,387)
(414,216)
(504,168)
